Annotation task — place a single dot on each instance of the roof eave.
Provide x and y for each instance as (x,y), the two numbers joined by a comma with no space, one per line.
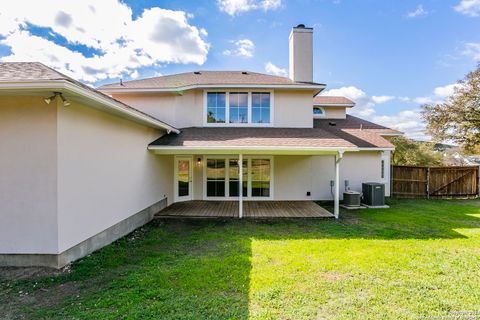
(65,85)
(317,87)
(270,150)
(347,105)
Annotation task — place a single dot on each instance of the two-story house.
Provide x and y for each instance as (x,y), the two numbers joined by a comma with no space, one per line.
(82,167)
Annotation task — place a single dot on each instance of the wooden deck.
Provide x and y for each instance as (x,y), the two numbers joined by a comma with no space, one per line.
(251,209)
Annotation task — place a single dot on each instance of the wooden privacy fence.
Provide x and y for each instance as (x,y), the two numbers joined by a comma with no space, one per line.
(434,182)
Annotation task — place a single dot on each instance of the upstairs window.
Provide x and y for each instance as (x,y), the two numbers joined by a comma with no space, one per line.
(238,108)
(260,107)
(216,105)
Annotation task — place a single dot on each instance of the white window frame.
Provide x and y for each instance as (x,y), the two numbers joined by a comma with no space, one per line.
(227,178)
(249,108)
(318,116)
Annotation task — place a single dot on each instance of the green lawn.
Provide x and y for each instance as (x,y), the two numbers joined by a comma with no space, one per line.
(416,259)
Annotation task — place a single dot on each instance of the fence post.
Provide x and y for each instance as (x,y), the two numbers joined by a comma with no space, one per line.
(478,181)
(428,182)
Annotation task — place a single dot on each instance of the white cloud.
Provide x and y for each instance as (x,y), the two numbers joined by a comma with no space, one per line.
(364,104)
(408,121)
(118,45)
(233,7)
(418,12)
(469,7)
(273,69)
(243,48)
(439,94)
(382,99)
(472,50)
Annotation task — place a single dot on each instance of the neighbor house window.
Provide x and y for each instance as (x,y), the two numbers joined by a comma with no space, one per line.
(216,105)
(238,108)
(216,178)
(383,169)
(260,107)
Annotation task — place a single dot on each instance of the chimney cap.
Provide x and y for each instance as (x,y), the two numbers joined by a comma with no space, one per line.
(301,26)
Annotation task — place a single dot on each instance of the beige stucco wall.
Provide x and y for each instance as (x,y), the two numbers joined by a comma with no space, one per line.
(105,172)
(291,108)
(335,112)
(181,111)
(68,173)
(301,55)
(295,175)
(28,176)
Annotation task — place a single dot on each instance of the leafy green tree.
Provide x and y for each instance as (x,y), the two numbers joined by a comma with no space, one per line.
(458,118)
(414,153)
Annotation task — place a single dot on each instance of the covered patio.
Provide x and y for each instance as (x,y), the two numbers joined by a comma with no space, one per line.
(251,209)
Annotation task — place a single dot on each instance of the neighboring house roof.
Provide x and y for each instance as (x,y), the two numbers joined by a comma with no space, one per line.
(332,101)
(322,136)
(35,75)
(205,79)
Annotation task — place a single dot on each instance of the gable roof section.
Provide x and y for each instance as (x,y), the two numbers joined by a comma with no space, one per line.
(209,79)
(323,136)
(332,101)
(36,76)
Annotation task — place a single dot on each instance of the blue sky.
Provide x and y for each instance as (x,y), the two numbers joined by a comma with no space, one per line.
(390,56)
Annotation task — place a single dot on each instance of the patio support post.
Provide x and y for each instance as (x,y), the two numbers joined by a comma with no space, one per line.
(336,198)
(240,187)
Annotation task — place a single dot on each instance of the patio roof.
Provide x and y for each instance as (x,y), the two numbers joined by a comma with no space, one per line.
(326,137)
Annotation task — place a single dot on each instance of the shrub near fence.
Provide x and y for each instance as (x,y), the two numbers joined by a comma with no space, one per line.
(434,182)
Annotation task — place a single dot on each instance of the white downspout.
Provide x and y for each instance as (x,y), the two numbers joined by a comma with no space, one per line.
(336,205)
(240,187)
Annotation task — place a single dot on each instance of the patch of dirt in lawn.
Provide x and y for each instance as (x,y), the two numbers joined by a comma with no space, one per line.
(15,301)
(22,300)
(20,273)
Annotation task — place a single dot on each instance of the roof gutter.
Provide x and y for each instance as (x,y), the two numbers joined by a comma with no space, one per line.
(98,97)
(347,105)
(318,87)
(258,150)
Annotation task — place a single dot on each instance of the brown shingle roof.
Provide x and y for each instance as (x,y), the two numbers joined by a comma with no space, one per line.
(351,123)
(28,71)
(330,100)
(205,78)
(36,71)
(323,135)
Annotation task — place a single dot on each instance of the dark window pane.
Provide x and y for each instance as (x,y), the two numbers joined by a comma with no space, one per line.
(215,188)
(233,188)
(182,188)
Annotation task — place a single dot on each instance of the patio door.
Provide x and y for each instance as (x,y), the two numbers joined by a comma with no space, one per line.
(183,179)
(222,181)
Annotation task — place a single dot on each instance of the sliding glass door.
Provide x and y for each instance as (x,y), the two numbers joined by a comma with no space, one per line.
(222,178)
